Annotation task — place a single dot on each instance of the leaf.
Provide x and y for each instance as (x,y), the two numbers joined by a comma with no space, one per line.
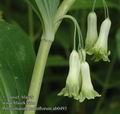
(83,4)
(56,61)
(16,64)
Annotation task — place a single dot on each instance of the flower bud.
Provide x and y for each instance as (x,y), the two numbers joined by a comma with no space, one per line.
(73,80)
(92,34)
(87,90)
(100,49)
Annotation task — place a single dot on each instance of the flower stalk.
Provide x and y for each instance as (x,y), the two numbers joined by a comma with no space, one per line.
(62,10)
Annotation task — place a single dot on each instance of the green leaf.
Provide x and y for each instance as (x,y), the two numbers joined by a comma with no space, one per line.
(16,64)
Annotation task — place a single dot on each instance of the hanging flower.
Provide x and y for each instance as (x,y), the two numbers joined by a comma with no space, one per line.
(73,80)
(87,90)
(92,34)
(100,49)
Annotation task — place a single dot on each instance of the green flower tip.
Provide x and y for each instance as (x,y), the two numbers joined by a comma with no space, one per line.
(91,94)
(98,55)
(70,91)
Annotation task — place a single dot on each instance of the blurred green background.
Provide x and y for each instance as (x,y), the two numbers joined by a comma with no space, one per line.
(105,76)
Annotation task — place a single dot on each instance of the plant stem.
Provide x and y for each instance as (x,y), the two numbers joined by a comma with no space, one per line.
(62,10)
(41,59)
(37,77)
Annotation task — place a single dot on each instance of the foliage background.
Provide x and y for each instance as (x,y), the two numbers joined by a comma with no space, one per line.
(105,76)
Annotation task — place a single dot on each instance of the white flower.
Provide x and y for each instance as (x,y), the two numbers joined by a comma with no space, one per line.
(73,81)
(92,34)
(100,49)
(87,90)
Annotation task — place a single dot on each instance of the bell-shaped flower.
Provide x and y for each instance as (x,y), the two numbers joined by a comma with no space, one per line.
(100,49)
(73,81)
(92,34)
(87,90)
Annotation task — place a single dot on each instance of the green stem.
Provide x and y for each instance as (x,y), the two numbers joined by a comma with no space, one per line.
(78,29)
(38,72)
(30,22)
(41,59)
(62,10)
(93,8)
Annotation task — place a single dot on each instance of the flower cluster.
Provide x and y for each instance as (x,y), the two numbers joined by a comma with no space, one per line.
(78,83)
(97,45)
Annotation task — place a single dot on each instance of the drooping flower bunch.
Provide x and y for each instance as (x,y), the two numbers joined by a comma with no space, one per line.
(78,83)
(97,45)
